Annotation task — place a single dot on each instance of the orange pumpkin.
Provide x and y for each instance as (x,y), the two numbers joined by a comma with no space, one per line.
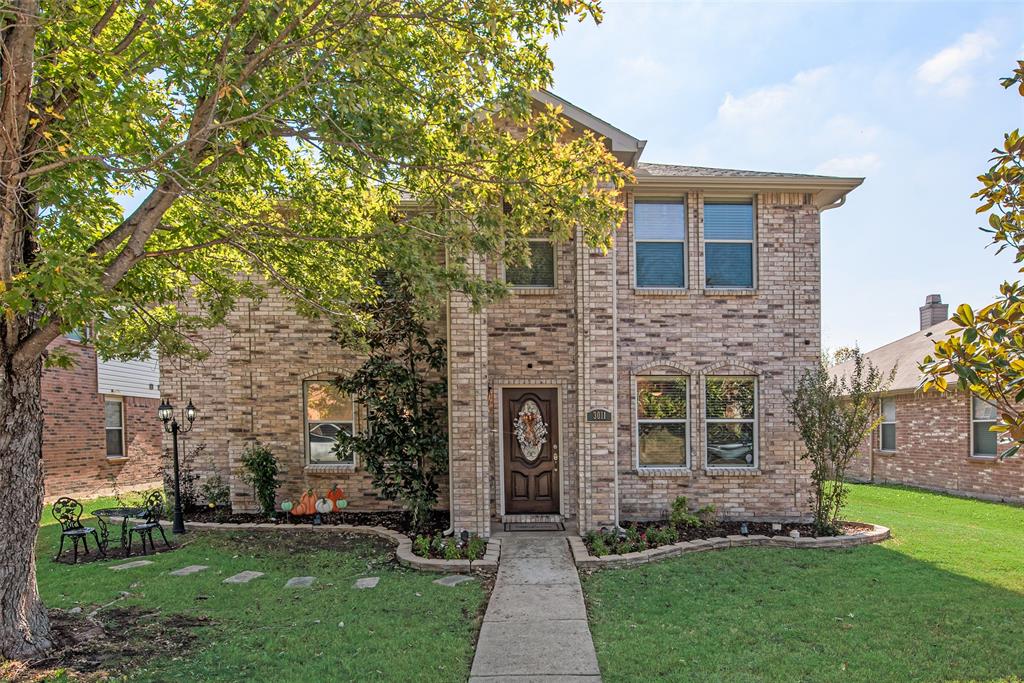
(307,504)
(334,495)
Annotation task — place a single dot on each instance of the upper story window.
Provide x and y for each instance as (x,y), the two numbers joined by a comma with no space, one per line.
(887,430)
(660,244)
(729,245)
(328,413)
(983,416)
(113,415)
(541,270)
(731,421)
(662,422)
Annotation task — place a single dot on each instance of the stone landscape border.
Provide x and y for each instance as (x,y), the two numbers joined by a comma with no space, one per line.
(487,565)
(584,560)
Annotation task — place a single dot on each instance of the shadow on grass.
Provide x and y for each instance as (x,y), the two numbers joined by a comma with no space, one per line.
(756,614)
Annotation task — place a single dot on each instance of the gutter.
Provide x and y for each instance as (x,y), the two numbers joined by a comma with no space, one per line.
(448,372)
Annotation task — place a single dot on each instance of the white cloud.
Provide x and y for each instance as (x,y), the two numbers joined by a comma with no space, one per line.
(771,100)
(947,70)
(851,165)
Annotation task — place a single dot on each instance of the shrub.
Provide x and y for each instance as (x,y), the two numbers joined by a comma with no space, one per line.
(187,477)
(215,491)
(476,548)
(706,515)
(451,548)
(421,546)
(260,470)
(681,515)
(663,535)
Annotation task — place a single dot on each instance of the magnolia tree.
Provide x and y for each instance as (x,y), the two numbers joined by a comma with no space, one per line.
(834,412)
(158,151)
(984,349)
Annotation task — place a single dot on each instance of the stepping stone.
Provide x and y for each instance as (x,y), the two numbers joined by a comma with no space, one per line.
(243,577)
(453,580)
(131,565)
(300,582)
(191,569)
(368,582)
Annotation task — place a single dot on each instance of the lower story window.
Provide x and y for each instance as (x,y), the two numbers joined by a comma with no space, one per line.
(329,412)
(113,414)
(662,415)
(983,417)
(731,421)
(887,429)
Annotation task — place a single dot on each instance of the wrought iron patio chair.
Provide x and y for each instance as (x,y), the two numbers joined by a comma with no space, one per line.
(68,513)
(154,506)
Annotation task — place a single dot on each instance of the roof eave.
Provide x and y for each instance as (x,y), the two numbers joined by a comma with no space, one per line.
(826,191)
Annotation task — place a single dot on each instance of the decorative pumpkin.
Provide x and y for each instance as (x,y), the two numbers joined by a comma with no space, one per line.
(286,505)
(323,506)
(336,496)
(342,504)
(307,504)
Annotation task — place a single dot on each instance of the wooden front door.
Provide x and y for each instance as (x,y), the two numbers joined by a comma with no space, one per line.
(530,426)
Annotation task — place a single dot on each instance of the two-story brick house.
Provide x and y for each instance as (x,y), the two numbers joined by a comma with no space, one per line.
(602,387)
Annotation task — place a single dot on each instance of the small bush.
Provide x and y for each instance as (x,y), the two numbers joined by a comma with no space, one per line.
(449,548)
(476,548)
(216,492)
(421,546)
(665,535)
(260,471)
(681,515)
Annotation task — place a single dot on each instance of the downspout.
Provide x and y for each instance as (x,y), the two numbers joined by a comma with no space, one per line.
(448,371)
(615,378)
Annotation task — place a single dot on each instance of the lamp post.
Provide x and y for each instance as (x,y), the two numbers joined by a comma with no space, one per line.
(171,426)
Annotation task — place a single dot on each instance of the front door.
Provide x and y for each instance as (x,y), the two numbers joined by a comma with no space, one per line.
(530,424)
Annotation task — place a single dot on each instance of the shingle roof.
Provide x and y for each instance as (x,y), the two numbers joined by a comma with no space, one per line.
(676,170)
(903,354)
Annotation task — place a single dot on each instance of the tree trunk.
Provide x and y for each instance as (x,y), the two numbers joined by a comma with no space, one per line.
(24,627)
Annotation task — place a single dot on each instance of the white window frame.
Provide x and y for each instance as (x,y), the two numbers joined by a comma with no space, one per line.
(684,241)
(124,442)
(752,242)
(637,421)
(974,421)
(306,424)
(755,423)
(554,269)
(895,429)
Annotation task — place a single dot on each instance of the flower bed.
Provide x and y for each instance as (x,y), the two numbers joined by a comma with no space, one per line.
(396,520)
(441,547)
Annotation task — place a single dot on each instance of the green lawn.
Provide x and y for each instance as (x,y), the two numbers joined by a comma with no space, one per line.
(406,628)
(942,601)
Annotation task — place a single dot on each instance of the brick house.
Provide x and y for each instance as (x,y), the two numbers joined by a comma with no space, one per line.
(101,432)
(602,387)
(933,441)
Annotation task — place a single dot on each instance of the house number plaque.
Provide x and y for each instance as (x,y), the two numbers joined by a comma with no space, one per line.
(599,415)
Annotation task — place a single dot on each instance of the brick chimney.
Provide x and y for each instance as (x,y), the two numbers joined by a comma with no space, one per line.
(934,311)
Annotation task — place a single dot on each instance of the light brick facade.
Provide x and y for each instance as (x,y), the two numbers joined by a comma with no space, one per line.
(75,461)
(588,337)
(933,451)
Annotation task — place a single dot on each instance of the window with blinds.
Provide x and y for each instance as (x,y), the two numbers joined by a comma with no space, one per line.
(540,272)
(660,244)
(729,246)
(983,418)
(662,422)
(887,429)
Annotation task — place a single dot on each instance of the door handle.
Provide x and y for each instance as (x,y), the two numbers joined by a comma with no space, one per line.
(554,453)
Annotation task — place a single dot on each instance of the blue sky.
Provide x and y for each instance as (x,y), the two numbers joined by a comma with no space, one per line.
(904,93)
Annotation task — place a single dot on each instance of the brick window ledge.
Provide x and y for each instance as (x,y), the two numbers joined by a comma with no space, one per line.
(328,468)
(662,291)
(984,459)
(732,472)
(663,472)
(116,458)
(531,291)
(741,291)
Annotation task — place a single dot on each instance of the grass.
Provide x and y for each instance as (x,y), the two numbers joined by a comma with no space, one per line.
(406,628)
(942,601)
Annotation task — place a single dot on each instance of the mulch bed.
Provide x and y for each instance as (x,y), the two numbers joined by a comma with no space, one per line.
(396,520)
(721,529)
(114,552)
(109,644)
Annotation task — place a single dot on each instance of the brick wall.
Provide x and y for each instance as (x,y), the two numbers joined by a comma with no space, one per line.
(933,450)
(75,459)
(772,333)
(249,388)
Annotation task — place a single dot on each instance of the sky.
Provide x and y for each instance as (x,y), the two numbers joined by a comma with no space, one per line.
(905,94)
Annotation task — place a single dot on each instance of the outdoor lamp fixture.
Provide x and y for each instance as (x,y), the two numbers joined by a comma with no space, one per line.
(171,426)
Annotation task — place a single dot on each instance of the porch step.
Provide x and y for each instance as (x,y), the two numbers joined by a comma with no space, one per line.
(533,522)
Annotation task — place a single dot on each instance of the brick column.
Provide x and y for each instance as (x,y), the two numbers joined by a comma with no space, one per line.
(596,383)
(468,435)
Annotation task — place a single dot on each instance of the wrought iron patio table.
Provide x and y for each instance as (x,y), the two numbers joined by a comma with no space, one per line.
(126,515)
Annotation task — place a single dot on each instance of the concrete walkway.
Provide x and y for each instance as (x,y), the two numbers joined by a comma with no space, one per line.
(535,627)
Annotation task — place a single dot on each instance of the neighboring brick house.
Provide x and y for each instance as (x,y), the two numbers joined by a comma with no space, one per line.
(101,432)
(933,441)
(602,387)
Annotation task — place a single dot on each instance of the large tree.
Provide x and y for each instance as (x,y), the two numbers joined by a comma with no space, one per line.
(256,143)
(984,349)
